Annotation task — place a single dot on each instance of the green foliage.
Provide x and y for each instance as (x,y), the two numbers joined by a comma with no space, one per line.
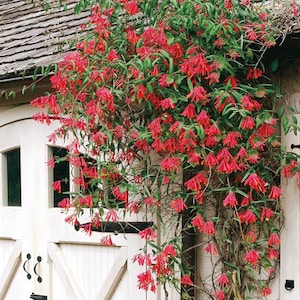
(169,109)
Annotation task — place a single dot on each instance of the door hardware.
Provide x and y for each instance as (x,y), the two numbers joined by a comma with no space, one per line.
(24,265)
(39,278)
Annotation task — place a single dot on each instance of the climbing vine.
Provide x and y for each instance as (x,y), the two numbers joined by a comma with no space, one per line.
(169,113)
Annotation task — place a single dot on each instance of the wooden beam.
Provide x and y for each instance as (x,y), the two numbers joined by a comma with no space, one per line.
(10,269)
(119,227)
(59,261)
(114,276)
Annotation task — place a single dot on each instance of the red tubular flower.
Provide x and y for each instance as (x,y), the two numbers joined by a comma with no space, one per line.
(231,139)
(247,123)
(248,217)
(146,281)
(275,192)
(195,183)
(266,291)
(198,222)
(169,251)
(198,94)
(155,127)
(220,295)
(223,280)
(123,196)
(186,280)
(274,239)
(178,205)
(273,253)
(56,185)
(112,55)
(211,248)
(148,234)
(170,164)
(252,257)
(189,111)
(230,200)
(203,118)
(208,228)
(131,7)
(112,215)
(266,214)
(255,183)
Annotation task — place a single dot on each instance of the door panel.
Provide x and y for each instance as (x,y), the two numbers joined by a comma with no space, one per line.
(73,265)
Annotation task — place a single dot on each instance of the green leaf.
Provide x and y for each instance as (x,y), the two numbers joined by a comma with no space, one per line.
(275,64)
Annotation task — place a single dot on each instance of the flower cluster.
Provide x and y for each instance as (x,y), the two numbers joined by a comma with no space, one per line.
(165,91)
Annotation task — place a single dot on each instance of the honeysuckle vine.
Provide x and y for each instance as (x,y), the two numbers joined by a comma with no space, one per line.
(170,113)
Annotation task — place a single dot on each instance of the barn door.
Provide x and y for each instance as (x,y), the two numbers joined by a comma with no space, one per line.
(40,253)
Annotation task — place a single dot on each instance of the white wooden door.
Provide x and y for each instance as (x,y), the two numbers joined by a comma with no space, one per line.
(39,252)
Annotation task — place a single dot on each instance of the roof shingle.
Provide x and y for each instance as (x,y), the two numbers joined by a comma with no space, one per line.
(31,36)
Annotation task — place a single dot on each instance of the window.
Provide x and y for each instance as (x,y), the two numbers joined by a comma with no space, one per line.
(61,172)
(12,177)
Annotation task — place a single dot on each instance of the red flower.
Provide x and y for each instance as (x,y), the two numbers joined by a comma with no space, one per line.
(198,94)
(155,127)
(56,185)
(151,201)
(223,280)
(167,104)
(247,123)
(213,77)
(112,55)
(203,118)
(146,281)
(266,130)
(252,257)
(273,253)
(123,196)
(210,160)
(195,182)
(178,205)
(274,239)
(254,73)
(251,34)
(189,111)
(198,222)
(230,200)
(142,145)
(131,7)
(148,234)
(232,81)
(64,203)
(186,280)
(170,163)
(220,295)
(266,291)
(106,241)
(158,146)
(249,103)
(112,215)
(169,251)
(248,217)
(250,236)
(275,192)
(255,183)
(141,91)
(211,248)
(208,228)
(266,214)
(231,139)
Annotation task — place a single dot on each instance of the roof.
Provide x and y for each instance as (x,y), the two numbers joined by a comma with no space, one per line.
(32,36)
